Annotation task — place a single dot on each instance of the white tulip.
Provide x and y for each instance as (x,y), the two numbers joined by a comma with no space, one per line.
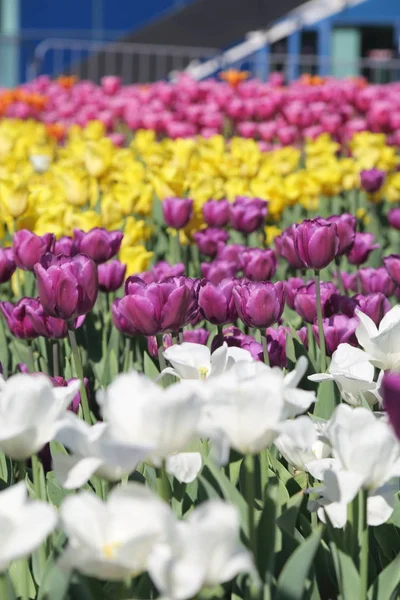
(366,456)
(25,524)
(93,451)
(300,443)
(140,412)
(40,162)
(195,361)
(113,540)
(383,344)
(30,413)
(202,551)
(353,373)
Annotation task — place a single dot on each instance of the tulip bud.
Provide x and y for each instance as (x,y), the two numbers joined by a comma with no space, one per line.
(362,248)
(7,264)
(376,280)
(284,245)
(217,270)
(231,254)
(276,342)
(394,218)
(247,214)
(65,245)
(98,244)
(209,239)
(372,180)
(291,287)
(216,213)
(392,265)
(305,301)
(49,327)
(67,287)
(259,304)
(338,329)
(153,308)
(111,275)
(346,230)
(234,337)
(391,399)
(194,336)
(374,305)
(29,247)
(216,301)
(317,242)
(163,270)
(258,264)
(119,321)
(177,212)
(18,320)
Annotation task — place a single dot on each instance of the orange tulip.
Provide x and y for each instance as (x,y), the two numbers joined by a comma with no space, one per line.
(234,77)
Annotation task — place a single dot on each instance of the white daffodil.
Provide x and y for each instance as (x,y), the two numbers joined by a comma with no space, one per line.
(353,373)
(383,344)
(139,412)
(30,412)
(202,551)
(301,444)
(93,451)
(195,361)
(25,524)
(112,540)
(367,456)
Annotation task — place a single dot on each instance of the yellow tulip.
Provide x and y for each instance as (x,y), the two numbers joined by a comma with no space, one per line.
(97,156)
(14,196)
(136,258)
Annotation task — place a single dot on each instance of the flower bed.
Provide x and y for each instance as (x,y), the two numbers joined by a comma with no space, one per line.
(200,351)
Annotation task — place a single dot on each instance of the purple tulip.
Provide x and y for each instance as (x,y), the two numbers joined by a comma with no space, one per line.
(372,180)
(153,308)
(276,342)
(374,305)
(209,239)
(284,245)
(216,301)
(18,320)
(111,275)
(76,400)
(194,336)
(247,214)
(394,218)
(234,337)
(119,321)
(391,399)
(303,335)
(350,281)
(232,254)
(317,242)
(291,286)
(305,301)
(163,269)
(29,247)
(216,213)
(259,304)
(258,264)
(177,212)
(346,229)
(65,245)
(362,248)
(376,280)
(67,287)
(98,244)
(392,265)
(7,264)
(46,326)
(338,329)
(217,270)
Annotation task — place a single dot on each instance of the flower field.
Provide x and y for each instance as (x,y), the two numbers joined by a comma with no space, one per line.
(200,340)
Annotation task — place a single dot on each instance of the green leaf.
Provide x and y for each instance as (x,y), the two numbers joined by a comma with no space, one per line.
(346,573)
(149,368)
(55,492)
(54,584)
(327,400)
(293,578)
(17,575)
(266,530)
(387,582)
(228,490)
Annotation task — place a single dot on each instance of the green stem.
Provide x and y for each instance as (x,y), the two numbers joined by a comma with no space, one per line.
(265,347)
(127,352)
(161,359)
(5,587)
(31,360)
(249,463)
(56,366)
(339,277)
(178,248)
(363,542)
(21,470)
(310,336)
(40,494)
(320,325)
(79,373)
(163,485)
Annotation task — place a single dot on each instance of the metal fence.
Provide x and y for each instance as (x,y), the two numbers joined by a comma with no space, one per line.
(132,62)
